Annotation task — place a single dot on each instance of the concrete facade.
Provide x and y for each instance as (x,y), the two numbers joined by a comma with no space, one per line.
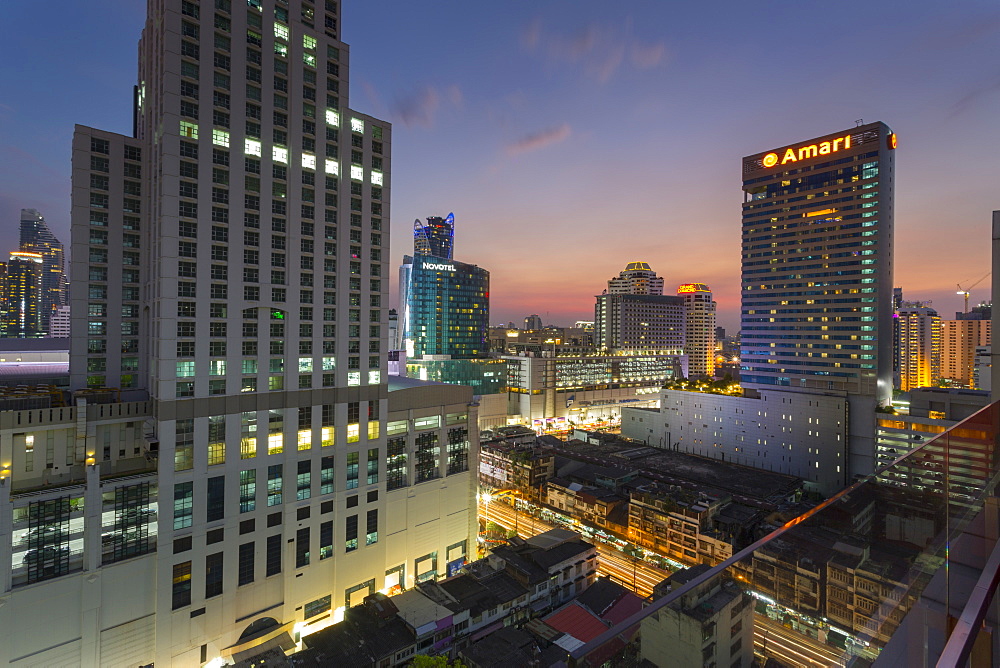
(796,433)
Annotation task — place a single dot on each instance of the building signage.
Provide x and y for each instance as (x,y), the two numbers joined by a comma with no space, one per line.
(805,152)
(490,471)
(438,267)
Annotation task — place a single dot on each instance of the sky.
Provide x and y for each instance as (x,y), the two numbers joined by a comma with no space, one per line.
(572,137)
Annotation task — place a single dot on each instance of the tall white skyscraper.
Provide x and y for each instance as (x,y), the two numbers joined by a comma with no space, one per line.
(234,469)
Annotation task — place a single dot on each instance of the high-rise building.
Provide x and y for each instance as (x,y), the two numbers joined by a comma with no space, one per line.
(234,469)
(36,237)
(436,238)
(639,323)
(816,344)
(444,307)
(23,296)
(634,315)
(532,322)
(699,328)
(59,323)
(817,272)
(919,346)
(959,340)
(636,279)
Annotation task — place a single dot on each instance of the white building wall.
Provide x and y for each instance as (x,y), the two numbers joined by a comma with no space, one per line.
(796,433)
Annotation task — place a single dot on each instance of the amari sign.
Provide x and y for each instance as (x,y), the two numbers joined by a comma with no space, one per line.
(797,153)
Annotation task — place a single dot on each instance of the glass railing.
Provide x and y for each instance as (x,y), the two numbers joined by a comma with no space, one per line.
(837,585)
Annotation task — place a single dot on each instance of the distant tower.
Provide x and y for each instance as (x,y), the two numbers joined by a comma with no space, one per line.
(699,328)
(636,279)
(959,340)
(36,237)
(533,322)
(919,346)
(23,317)
(444,305)
(59,323)
(436,238)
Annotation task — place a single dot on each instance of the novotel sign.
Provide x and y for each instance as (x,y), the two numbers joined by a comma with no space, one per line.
(437,267)
(797,153)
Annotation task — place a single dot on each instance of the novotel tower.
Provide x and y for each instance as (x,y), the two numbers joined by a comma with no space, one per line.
(444,308)
(817,272)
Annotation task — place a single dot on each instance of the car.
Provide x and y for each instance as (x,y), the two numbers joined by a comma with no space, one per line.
(46,554)
(41,535)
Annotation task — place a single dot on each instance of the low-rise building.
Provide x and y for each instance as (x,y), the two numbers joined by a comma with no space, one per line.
(522,467)
(710,625)
(554,566)
(800,433)
(589,505)
(678,524)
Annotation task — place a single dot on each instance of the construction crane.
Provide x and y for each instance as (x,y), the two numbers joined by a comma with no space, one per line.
(965,291)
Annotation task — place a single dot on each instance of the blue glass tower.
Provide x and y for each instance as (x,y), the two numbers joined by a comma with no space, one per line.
(436,238)
(445,307)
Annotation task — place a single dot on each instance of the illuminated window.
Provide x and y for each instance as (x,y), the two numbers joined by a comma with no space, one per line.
(357,173)
(185,369)
(332,167)
(333,118)
(357,125)
(305,365)
(308,161)
(309,59)
(305,439)
(189,130)
(329,364)
(353,433)
(353,378)
(308,42)
(376,177)
(280,49)
(251,147)
(217,368)
(274,443)
(326,437)
(220,138)
(374,378)
(280,154)
(280,31)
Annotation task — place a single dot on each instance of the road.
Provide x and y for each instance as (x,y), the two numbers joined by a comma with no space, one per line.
(610,562)
(786,645)
(792,647)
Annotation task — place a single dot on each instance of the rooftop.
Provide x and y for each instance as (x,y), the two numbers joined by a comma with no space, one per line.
(577,621)
(507,647)
(684,469)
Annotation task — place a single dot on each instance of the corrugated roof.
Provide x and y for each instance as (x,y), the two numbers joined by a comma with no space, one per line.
(577,621)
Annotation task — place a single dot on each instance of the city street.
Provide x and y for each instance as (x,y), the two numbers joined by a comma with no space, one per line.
(612,563)
(791,647)
(770,637)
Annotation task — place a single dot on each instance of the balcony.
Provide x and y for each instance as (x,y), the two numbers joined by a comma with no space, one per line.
(929,553)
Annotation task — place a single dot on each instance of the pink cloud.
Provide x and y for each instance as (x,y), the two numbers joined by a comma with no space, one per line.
(541,139)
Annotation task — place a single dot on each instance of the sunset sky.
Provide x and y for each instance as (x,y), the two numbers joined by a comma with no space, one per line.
(572,137)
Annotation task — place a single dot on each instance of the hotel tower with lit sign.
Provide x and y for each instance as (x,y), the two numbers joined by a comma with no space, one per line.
(817,273)
(221,482)
(444,305)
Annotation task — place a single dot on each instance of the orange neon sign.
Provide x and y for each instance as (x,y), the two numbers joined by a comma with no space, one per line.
(692,287)
(891,140)
(806,152)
